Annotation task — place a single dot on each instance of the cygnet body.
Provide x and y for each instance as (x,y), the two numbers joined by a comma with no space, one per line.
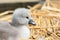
(18,29)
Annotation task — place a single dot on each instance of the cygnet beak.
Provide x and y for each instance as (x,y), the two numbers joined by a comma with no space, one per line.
(32,22)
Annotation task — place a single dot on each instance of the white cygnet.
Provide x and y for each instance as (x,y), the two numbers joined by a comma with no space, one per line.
(17,29)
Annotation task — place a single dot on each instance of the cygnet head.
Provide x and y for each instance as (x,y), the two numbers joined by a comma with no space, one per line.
(21,16)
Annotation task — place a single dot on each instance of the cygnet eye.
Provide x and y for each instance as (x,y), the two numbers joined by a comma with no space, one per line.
(27,17)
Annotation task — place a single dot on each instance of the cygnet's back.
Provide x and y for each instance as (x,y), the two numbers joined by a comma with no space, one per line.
(7,32)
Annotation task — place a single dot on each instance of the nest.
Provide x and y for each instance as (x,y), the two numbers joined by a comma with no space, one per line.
(47,19)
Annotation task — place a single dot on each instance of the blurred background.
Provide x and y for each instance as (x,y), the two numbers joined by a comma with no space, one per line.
(12,4)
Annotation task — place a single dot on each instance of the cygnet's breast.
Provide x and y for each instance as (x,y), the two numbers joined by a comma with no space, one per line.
(24,32)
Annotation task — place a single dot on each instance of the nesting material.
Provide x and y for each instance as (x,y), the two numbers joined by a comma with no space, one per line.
(47,26)
(47,19)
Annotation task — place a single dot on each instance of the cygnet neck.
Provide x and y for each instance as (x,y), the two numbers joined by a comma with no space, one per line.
(17,25)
